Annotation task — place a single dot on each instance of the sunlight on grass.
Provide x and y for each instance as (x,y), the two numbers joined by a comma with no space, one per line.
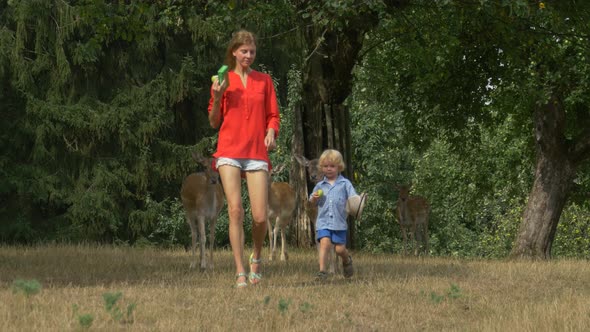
(104,288)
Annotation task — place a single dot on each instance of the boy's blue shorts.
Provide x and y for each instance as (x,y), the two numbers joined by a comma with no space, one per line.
(337,237)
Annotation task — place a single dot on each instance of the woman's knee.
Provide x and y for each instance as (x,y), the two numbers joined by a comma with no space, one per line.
(259,219)
(235,212)
(259,215)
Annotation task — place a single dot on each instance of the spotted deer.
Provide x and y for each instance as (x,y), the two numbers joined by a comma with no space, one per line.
(413,213)
(202,198)
(281,204)
(354,205)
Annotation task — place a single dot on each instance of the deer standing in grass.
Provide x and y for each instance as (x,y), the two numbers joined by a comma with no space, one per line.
(202,199)
(281,204)
(413,213)
(354,205)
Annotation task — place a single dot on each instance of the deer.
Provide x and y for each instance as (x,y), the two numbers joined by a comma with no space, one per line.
(413,213)
(354,205)
(202,198)
(281,204)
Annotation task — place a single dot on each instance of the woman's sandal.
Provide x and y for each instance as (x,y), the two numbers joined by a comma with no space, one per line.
(254,278)
(243,283)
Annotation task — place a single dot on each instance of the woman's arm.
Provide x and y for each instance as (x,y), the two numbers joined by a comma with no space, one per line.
(215,103)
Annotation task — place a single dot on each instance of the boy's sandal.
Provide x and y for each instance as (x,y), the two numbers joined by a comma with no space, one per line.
(254,278)
(243,283)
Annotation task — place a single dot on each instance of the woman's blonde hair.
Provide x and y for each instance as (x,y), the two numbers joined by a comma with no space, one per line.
(238,39)
(333,156)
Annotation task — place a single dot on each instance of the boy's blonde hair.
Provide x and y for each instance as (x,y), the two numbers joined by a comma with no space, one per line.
(333,156)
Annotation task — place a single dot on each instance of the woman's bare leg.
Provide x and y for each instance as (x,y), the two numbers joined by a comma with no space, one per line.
(232,186)
(258,192)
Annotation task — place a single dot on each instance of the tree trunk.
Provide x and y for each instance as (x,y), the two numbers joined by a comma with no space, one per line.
(324,119)
(303,225)
(554,176)
(327,82)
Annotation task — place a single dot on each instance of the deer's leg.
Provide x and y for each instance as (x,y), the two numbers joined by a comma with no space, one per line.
(270,243)
(275,235)
(193,226)
(413,239)
(203,241)
(426,245)
(211,240)
(405,242)
(284,255)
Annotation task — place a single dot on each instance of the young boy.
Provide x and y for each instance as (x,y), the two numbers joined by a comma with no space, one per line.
(330,195)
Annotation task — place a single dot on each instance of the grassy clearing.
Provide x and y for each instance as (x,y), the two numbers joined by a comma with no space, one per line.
(63,288)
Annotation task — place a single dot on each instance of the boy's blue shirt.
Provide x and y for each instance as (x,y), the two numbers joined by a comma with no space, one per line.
(332,204)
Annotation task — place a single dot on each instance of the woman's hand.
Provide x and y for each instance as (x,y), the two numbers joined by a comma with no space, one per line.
(269,140)
(218,89)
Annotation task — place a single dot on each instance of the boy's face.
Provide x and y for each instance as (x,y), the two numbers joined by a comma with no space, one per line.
(330,169)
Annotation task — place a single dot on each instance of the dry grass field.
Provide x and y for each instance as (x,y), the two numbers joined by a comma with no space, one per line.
(77,288)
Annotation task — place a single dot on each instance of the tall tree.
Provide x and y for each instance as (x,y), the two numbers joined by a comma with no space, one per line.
(333,33)
(457,63)
(93,89)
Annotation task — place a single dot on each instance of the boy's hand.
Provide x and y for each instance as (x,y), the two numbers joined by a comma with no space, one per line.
(316,196)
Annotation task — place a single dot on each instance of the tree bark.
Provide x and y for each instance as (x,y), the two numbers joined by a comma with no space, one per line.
(303,225)
(327,82)
(325,120)
(554,176)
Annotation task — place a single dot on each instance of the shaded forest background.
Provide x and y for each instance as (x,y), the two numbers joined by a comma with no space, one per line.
(104,101)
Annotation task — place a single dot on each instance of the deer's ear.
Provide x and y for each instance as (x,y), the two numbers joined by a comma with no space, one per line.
(277,169)
(198,157)
(302,160)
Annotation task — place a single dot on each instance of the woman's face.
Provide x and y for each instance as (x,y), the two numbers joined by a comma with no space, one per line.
(245,55)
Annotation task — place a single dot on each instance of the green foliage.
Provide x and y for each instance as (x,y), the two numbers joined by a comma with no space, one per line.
(118,315)
(27,287)
(104,102)
(453,293)
(572,238)
(170,227)
(284,305)
(455,91)
(85,320)
(305,307)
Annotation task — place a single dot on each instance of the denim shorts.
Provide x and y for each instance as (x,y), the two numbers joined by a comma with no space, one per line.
(337,237)
(243,164)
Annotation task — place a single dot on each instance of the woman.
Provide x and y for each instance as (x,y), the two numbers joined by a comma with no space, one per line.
(245,106)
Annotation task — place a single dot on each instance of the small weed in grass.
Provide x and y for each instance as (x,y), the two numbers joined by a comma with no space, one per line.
(27,287)
(267,300)
(436,298)
(85,320)
(284,305)
(305,307)
(117,314)
(454,292)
